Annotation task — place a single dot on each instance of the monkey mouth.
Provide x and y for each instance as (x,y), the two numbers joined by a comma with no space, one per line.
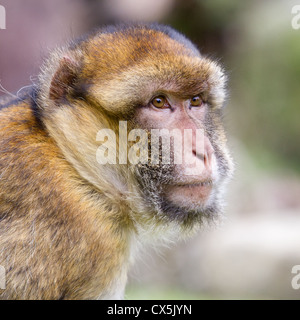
(190,191)
(192,183)
(205,183)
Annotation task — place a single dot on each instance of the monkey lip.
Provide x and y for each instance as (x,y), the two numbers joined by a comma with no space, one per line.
(193,190)
(193,182)
(206,183)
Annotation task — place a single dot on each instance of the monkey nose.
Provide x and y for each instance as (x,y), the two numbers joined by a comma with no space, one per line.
(205,155)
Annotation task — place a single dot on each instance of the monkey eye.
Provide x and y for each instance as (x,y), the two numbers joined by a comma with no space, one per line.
(196,101)
(160,102)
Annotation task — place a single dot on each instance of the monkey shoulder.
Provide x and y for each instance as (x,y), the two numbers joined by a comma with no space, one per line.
(31,163)
(48,215)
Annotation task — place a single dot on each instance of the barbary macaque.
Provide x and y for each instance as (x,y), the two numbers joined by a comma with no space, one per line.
(76,195)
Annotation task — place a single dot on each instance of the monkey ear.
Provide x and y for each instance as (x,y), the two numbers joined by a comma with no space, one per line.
(63,79)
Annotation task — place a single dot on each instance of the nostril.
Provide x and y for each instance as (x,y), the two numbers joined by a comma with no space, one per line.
(206,160)
(200,156)
(208,156)
(205,153)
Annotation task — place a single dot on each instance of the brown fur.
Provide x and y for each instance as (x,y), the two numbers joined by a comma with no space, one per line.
(66,223)
(55,244)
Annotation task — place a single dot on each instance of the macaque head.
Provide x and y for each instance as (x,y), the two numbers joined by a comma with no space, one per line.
(161,103)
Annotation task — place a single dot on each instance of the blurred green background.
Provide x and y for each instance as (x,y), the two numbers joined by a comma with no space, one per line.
(251,253)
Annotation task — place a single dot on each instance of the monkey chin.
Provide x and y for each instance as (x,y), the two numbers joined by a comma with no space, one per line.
(190,205)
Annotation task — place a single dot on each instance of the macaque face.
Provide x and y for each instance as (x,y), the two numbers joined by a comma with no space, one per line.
(188,184)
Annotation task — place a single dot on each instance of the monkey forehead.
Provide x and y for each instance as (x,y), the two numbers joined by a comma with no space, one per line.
(137,84)
(127,67)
